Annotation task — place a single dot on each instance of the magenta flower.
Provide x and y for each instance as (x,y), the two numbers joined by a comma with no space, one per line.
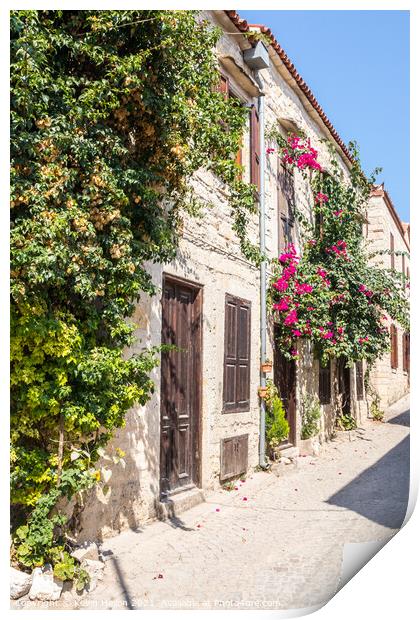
(310,308)
(297,332)
(269,150)
(291,318)
(303,288)
(294,353)
(320,197)
(281,285)
(338,213)
(282,305)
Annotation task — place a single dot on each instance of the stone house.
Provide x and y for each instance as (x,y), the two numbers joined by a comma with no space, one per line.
(385,232)
(202,426)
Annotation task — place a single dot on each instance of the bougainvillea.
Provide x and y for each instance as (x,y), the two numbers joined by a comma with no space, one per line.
(111,114)
(331,294)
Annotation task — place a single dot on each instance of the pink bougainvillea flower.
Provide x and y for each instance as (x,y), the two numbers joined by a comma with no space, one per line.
(291,318)
(303,288)
(294,353)
(322,273)
(338,213)
(330,323)
(282,305)
(340,330)
(269,150)
(320,197)
(281,285)
(312,242)
(297,332)
(328,335)
(310,308)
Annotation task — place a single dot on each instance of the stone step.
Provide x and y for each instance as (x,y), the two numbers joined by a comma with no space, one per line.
(176,504)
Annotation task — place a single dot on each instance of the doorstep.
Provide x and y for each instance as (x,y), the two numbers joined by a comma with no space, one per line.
(180,502)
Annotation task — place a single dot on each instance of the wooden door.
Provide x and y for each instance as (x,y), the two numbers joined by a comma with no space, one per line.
(344,385)
(285,382)
(180,386)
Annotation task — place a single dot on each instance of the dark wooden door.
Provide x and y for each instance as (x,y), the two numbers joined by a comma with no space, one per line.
(180,386)
(285,382)
(344,385)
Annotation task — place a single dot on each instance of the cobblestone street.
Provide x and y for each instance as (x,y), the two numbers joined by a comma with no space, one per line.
(277,541)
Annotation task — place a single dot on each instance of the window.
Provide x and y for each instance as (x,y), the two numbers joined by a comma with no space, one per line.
(394,347)
(391,247)
(224,87)
(406,352)
(285,205)
(325,383)
(359,380)
(403,265)
(255,147)
(236,379)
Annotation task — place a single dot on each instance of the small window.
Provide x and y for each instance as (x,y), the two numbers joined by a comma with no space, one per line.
(285,205)
(255,147)
(225,88)
(359,380)
(325,383)
(236,380)
(394,347)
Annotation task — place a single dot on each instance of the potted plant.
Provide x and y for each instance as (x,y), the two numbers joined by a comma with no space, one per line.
(267,366)
(262,391)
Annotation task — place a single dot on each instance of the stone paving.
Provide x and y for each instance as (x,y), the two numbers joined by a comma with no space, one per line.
(274,543)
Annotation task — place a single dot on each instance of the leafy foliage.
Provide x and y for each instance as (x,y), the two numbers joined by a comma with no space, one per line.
(112,112)
(331,294)
(277,427)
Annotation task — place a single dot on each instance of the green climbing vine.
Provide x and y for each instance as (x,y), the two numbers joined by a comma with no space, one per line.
(112,112)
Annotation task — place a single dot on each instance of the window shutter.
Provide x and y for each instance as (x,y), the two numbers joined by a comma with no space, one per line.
(406,352)
(394,347)
(224,85)
(255,148)
(324,387)
(285,205)
(359,380)
(403,265)
(236,381)
(391,247)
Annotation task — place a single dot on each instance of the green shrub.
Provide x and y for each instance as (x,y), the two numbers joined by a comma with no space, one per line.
(277,427)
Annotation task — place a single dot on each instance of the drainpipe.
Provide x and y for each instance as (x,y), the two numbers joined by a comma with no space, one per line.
(257,59)
(263,277)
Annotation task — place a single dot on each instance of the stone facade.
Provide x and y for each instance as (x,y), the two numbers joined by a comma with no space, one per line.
(384,229)
(209,255)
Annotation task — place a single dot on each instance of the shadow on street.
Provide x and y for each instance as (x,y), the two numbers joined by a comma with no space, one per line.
(380,493)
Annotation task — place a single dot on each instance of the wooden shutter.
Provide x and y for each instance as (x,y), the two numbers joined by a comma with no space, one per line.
(406,352)
(236,380)
(325,383)
(359,380)
(255,148)
(403,265)
(391,247)
(233,456)
(285,205)
(394,347)
(224,85)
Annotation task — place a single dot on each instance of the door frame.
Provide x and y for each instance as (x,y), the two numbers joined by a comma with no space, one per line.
(198,363)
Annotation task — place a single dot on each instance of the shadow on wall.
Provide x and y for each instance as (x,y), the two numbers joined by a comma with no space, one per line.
(381,492)
(133,488)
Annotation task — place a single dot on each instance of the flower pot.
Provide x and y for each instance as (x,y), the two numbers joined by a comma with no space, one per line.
(262,392)
(267,367)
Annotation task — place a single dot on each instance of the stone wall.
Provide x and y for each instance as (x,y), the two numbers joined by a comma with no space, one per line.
(391,383)
(209,254)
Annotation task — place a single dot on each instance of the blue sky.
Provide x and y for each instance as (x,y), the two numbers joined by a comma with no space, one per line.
(357,65)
